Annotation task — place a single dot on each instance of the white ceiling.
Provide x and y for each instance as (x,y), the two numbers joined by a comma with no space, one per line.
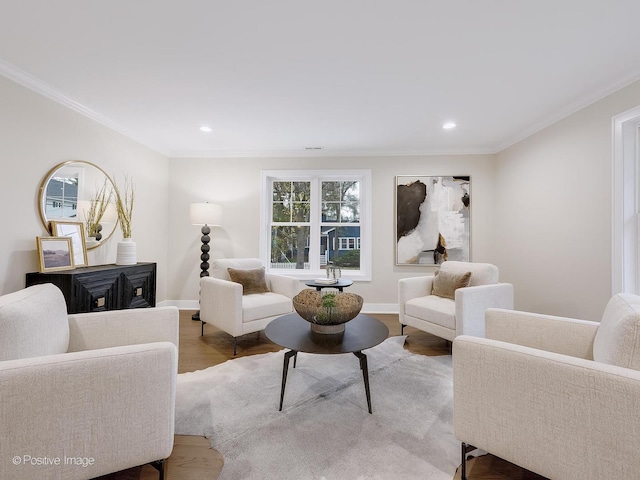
(355,77)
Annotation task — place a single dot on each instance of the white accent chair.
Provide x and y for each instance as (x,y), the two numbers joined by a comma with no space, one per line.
(84,395)
(555,395)
(445,317)
(223,304)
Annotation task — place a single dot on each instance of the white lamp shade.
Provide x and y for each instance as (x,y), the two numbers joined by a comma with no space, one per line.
(205,214)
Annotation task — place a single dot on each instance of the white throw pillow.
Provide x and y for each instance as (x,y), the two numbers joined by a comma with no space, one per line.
(617,341)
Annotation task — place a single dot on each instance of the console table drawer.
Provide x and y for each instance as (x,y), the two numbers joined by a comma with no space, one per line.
(103,287)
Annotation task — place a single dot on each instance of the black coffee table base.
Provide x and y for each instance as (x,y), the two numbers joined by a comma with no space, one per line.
(363,366)
(294,333)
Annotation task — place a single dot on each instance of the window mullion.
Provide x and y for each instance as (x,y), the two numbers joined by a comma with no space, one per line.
(314,234)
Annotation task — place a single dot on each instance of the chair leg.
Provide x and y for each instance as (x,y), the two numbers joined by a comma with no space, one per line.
(159,465)
(402,325)
(466,448)
(235,341)
(202,328)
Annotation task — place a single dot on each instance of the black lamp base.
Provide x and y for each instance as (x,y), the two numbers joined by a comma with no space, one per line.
(204,257)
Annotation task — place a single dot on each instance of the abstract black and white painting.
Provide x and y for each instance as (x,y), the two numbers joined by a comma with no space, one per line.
(432,219)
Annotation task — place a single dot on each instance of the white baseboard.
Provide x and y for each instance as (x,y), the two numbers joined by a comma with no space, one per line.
(380,308)
(366,308)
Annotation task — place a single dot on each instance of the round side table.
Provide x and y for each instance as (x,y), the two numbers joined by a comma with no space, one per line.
(340,284)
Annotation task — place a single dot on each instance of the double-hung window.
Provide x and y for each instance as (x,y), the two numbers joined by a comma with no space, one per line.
(314,218)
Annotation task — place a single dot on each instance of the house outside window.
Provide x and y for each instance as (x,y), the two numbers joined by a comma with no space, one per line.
(311,218)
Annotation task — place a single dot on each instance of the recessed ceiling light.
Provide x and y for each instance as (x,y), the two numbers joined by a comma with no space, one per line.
(205,128)
(449,125)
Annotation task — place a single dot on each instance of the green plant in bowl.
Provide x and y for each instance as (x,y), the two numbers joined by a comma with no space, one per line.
(328,306)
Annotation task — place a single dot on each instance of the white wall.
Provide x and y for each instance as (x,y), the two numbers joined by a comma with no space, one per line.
(553,212)
(235,184)
(37,134)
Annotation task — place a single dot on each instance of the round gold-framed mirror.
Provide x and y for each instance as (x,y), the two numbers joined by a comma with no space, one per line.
(79,191)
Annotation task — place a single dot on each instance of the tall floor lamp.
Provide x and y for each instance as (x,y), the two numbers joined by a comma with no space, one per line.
(208,215)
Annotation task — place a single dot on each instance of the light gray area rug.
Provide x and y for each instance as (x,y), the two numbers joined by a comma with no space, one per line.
(324,431)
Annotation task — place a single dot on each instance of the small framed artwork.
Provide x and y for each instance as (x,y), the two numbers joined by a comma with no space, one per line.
(432,219)
(54,253)
(74,231)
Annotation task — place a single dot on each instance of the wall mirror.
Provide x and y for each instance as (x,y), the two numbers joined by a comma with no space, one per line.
(82,192)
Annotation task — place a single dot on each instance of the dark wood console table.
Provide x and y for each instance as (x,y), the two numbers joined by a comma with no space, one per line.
(103,287)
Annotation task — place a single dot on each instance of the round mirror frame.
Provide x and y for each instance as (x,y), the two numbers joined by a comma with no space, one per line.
(43,191)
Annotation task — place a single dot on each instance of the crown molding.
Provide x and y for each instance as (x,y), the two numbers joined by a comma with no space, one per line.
(569,110)
(35,84)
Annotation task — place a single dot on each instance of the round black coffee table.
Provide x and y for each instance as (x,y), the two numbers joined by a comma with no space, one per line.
(293,332)
(340,284)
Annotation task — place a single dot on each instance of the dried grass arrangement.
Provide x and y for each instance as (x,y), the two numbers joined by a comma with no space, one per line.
(327,309)
(98,205)
(124,206)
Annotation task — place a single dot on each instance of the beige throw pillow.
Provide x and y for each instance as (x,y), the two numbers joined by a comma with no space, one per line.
(445,283)
(252,281)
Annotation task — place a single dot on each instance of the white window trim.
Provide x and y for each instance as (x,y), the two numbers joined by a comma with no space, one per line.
(366,231)
(625,270)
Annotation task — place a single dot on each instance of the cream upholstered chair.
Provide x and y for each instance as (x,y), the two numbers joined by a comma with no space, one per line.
(557,396)
(235,309)
(433,305)
(84,395)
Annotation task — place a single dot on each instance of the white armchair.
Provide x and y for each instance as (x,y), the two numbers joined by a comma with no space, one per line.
(557,396)
(446,317)
(223,304)
(84,395)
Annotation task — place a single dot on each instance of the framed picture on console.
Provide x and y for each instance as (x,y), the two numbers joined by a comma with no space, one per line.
(74,231)
(54,253)
(432,219)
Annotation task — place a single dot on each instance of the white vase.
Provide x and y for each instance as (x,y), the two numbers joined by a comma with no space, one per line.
(126,253)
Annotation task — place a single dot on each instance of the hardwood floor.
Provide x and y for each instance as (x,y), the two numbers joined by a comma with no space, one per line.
(197,353)
(194,459)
